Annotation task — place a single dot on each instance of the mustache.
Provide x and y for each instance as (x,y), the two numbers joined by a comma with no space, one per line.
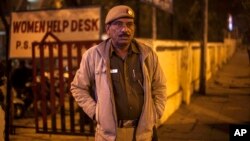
(124,35)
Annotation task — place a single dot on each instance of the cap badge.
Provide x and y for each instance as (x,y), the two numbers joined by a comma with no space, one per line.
(130,12)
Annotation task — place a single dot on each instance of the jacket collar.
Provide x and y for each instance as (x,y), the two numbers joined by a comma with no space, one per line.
(132,49)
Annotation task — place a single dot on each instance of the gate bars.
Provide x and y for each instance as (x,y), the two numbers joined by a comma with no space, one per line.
(54,66)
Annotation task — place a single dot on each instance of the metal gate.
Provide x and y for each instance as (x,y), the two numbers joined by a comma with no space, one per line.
(54,65)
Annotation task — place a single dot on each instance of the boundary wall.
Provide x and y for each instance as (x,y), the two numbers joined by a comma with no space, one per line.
(180,61)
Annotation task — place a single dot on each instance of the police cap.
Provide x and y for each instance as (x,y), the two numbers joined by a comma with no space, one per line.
(120,11)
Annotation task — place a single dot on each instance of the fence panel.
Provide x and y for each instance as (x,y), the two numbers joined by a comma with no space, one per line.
(54,66)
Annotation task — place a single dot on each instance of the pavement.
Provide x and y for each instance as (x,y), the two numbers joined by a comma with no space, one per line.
(206,118)
(209,115)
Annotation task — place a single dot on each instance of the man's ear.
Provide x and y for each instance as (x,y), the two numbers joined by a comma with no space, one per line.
(107,26)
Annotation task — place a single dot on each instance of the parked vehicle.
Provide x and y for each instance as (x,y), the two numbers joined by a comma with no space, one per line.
(22,100)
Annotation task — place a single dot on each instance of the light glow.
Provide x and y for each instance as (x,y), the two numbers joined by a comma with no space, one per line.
(32,0)
(230,22)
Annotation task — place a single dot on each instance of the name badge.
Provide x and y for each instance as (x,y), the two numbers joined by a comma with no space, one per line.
(114,71)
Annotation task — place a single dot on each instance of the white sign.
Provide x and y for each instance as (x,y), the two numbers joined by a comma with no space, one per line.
(66,24)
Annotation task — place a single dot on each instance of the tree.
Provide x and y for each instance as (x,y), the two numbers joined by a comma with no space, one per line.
(241,12)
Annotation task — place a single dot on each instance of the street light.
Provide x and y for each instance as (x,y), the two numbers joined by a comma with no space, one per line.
(230,22)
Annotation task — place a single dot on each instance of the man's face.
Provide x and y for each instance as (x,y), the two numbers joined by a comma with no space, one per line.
(121,32)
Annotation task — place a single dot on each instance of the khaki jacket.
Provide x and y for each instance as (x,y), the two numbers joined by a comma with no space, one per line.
(94,76)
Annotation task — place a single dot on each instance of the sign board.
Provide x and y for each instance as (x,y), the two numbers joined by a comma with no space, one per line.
(67,25)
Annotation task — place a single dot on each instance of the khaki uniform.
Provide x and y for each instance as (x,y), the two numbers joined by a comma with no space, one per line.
(94,76)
